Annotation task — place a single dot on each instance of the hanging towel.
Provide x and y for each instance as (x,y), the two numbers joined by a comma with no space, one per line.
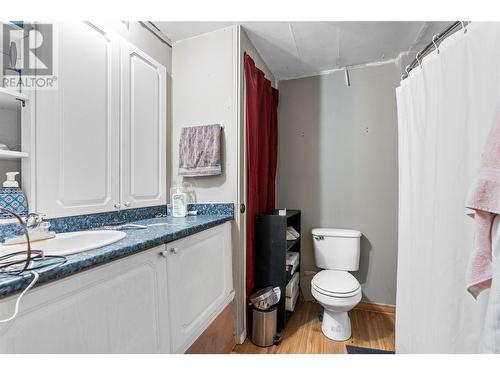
(200,151)
(484,200)
(490,335)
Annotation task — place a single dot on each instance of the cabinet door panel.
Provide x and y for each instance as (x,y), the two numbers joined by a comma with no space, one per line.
(77,125)
(116,308)
(200,281)
(143,129)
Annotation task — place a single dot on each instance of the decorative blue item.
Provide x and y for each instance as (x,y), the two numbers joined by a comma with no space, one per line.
(12,197)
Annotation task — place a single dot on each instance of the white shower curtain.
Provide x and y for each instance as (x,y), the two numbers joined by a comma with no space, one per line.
(445,111)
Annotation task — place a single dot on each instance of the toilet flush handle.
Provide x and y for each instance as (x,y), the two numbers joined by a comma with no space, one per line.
(319,238)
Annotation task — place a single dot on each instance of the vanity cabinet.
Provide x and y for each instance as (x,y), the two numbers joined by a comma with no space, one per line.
(99,139)
(120,307)
(156,301)
(200,286)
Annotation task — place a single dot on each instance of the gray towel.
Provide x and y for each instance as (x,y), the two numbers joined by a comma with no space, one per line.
(200,150)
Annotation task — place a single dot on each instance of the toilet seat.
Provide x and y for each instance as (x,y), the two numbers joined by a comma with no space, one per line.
(334,283)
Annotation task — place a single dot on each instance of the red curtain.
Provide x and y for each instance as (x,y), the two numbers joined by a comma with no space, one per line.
(262,153)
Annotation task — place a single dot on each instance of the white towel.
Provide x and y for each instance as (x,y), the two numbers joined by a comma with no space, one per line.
(292,285)
(292,234)
(292,261)
(291,301)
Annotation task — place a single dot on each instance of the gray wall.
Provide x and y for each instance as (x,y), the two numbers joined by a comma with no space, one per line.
(338,164)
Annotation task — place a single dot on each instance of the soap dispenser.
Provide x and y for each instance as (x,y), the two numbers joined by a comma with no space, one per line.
(12,197)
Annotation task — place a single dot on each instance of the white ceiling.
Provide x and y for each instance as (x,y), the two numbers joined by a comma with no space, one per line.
(294,49)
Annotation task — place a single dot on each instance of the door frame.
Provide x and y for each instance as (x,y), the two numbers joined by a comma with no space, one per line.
(239,231)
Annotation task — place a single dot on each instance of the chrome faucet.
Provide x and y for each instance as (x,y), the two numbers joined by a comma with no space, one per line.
(34,228)
(33,220)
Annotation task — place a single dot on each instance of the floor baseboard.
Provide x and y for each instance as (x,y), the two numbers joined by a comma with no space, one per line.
(376,307)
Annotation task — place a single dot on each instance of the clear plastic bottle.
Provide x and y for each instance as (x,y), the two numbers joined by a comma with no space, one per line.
(179,201)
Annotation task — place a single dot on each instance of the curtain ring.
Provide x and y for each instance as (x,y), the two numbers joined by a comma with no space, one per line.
(435,44)
(419,64)
(406,70)
(464,28)
(402,77)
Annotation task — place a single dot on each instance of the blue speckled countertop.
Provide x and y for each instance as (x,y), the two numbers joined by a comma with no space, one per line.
(136,240)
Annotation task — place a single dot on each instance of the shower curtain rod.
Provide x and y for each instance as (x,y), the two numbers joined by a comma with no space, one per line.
(434,44)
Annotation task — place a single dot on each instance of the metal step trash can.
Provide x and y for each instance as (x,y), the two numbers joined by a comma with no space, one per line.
(264,316)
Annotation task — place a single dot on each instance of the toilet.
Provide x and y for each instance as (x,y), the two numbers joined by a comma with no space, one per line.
(336,252)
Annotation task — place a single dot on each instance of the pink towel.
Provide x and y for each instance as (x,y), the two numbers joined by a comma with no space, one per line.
(484,199)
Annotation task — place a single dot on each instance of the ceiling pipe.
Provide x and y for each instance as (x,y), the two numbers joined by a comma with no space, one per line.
(347,78)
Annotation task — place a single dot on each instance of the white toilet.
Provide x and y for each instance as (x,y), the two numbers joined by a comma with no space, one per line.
(336,251)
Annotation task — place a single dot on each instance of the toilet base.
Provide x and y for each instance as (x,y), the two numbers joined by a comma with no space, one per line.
(336,325)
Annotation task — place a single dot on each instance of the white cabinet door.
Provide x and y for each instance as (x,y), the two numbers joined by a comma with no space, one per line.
(199,283)
(120,307)
(143,90)
(77,125)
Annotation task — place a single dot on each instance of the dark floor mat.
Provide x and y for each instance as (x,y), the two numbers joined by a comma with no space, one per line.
(351,349)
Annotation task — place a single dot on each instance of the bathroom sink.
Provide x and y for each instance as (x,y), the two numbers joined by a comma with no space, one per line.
(70,242)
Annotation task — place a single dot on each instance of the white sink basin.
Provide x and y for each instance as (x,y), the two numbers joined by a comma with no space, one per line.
(70,242)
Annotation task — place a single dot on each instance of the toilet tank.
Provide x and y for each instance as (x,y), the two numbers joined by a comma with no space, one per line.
(336,249)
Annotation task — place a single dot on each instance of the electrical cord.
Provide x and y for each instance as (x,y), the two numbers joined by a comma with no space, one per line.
(26,234)
(31,268)
(36,276)
(9,262)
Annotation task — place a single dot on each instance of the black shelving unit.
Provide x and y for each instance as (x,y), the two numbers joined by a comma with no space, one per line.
(271,247)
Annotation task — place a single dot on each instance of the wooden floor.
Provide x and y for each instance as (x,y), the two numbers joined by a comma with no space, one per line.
(303,335)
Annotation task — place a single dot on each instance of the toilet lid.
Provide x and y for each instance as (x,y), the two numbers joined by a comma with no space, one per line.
(332,282)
